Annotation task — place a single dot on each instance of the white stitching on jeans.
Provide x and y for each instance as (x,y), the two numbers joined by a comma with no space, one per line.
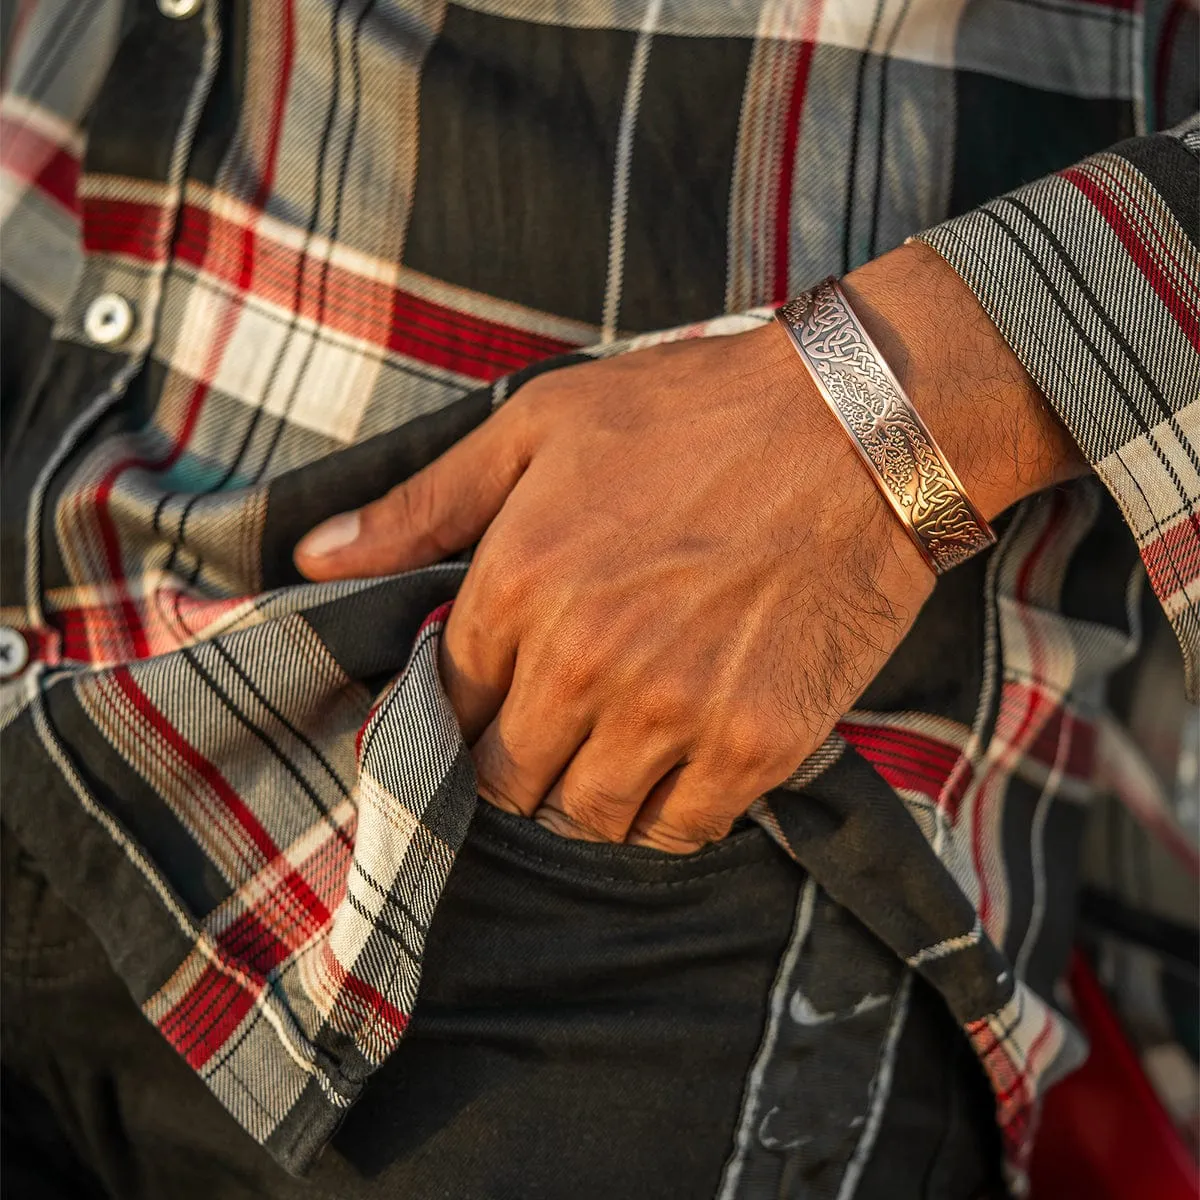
(752,1100)
(881,1090)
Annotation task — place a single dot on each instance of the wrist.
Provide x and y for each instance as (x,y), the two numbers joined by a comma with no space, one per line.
(840,498)
(992,422)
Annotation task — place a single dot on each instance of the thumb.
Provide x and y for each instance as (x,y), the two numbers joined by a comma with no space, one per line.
(438,511)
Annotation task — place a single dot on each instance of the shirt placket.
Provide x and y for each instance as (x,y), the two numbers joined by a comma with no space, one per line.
(141,130)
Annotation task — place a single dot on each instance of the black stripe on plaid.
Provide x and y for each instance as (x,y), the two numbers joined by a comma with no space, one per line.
(155,58)
(1055,891)
(1173,171)
(205,674)
(1008,134)
(681,170)
(336,180)
(518,137)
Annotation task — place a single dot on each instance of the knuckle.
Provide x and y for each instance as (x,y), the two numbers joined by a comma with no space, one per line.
(531,554)
(499,776)
(519,423)
(574,676)
(744,741)
(469,633)
(688,831)
(598,810)
(411,506)
(506,586)
(424,495)
(523,411)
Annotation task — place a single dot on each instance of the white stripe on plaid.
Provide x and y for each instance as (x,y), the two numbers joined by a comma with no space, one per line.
(620,191)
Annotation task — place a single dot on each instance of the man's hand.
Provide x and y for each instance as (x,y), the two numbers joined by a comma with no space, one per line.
(685,575)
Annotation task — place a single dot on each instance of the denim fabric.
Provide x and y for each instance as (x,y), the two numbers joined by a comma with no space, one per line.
(589,1019)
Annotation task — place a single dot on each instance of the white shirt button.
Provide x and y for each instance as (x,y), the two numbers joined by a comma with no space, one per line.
(179,10)
(108,320)
(14,652)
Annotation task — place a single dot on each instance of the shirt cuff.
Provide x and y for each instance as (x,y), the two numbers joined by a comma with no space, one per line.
(1092,275)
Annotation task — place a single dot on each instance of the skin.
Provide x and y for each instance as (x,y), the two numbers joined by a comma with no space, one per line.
(686,575)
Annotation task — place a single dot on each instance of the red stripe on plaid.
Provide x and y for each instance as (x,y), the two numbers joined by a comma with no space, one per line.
(141,231)
(279,925)
(1011,1080)
(344,300)
(360,1007)
(290,912)
(1079,760)
(1134,238)
(955,788)
(251,942)
(80,628)
(936,756)
(337,297)
(1172,559)
(362,307)
(130,616)
(206,1016)
(123,227)
(791,139)
(31,156)
(256,835)
(909,760)
(131,621)
(1007,1079)
(1146,223)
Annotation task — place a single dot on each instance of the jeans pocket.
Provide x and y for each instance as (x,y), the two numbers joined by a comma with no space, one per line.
(622,866)
(592,1008)
(538,916)
(572,910)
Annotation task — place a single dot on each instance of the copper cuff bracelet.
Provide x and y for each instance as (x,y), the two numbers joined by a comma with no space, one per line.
(909,466)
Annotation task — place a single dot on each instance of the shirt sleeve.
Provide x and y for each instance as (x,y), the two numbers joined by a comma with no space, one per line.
(1093,277)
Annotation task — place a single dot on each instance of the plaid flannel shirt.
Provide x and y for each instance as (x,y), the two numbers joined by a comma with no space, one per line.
(263,259)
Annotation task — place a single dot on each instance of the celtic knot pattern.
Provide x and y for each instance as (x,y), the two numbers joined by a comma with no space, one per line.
(858,385)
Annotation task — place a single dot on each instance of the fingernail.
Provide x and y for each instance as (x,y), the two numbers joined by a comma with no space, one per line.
(334,534)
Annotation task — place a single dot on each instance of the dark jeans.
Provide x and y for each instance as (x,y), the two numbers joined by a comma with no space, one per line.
(594,1022)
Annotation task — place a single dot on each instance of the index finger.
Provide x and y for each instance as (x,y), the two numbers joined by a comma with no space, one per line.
(476,661)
